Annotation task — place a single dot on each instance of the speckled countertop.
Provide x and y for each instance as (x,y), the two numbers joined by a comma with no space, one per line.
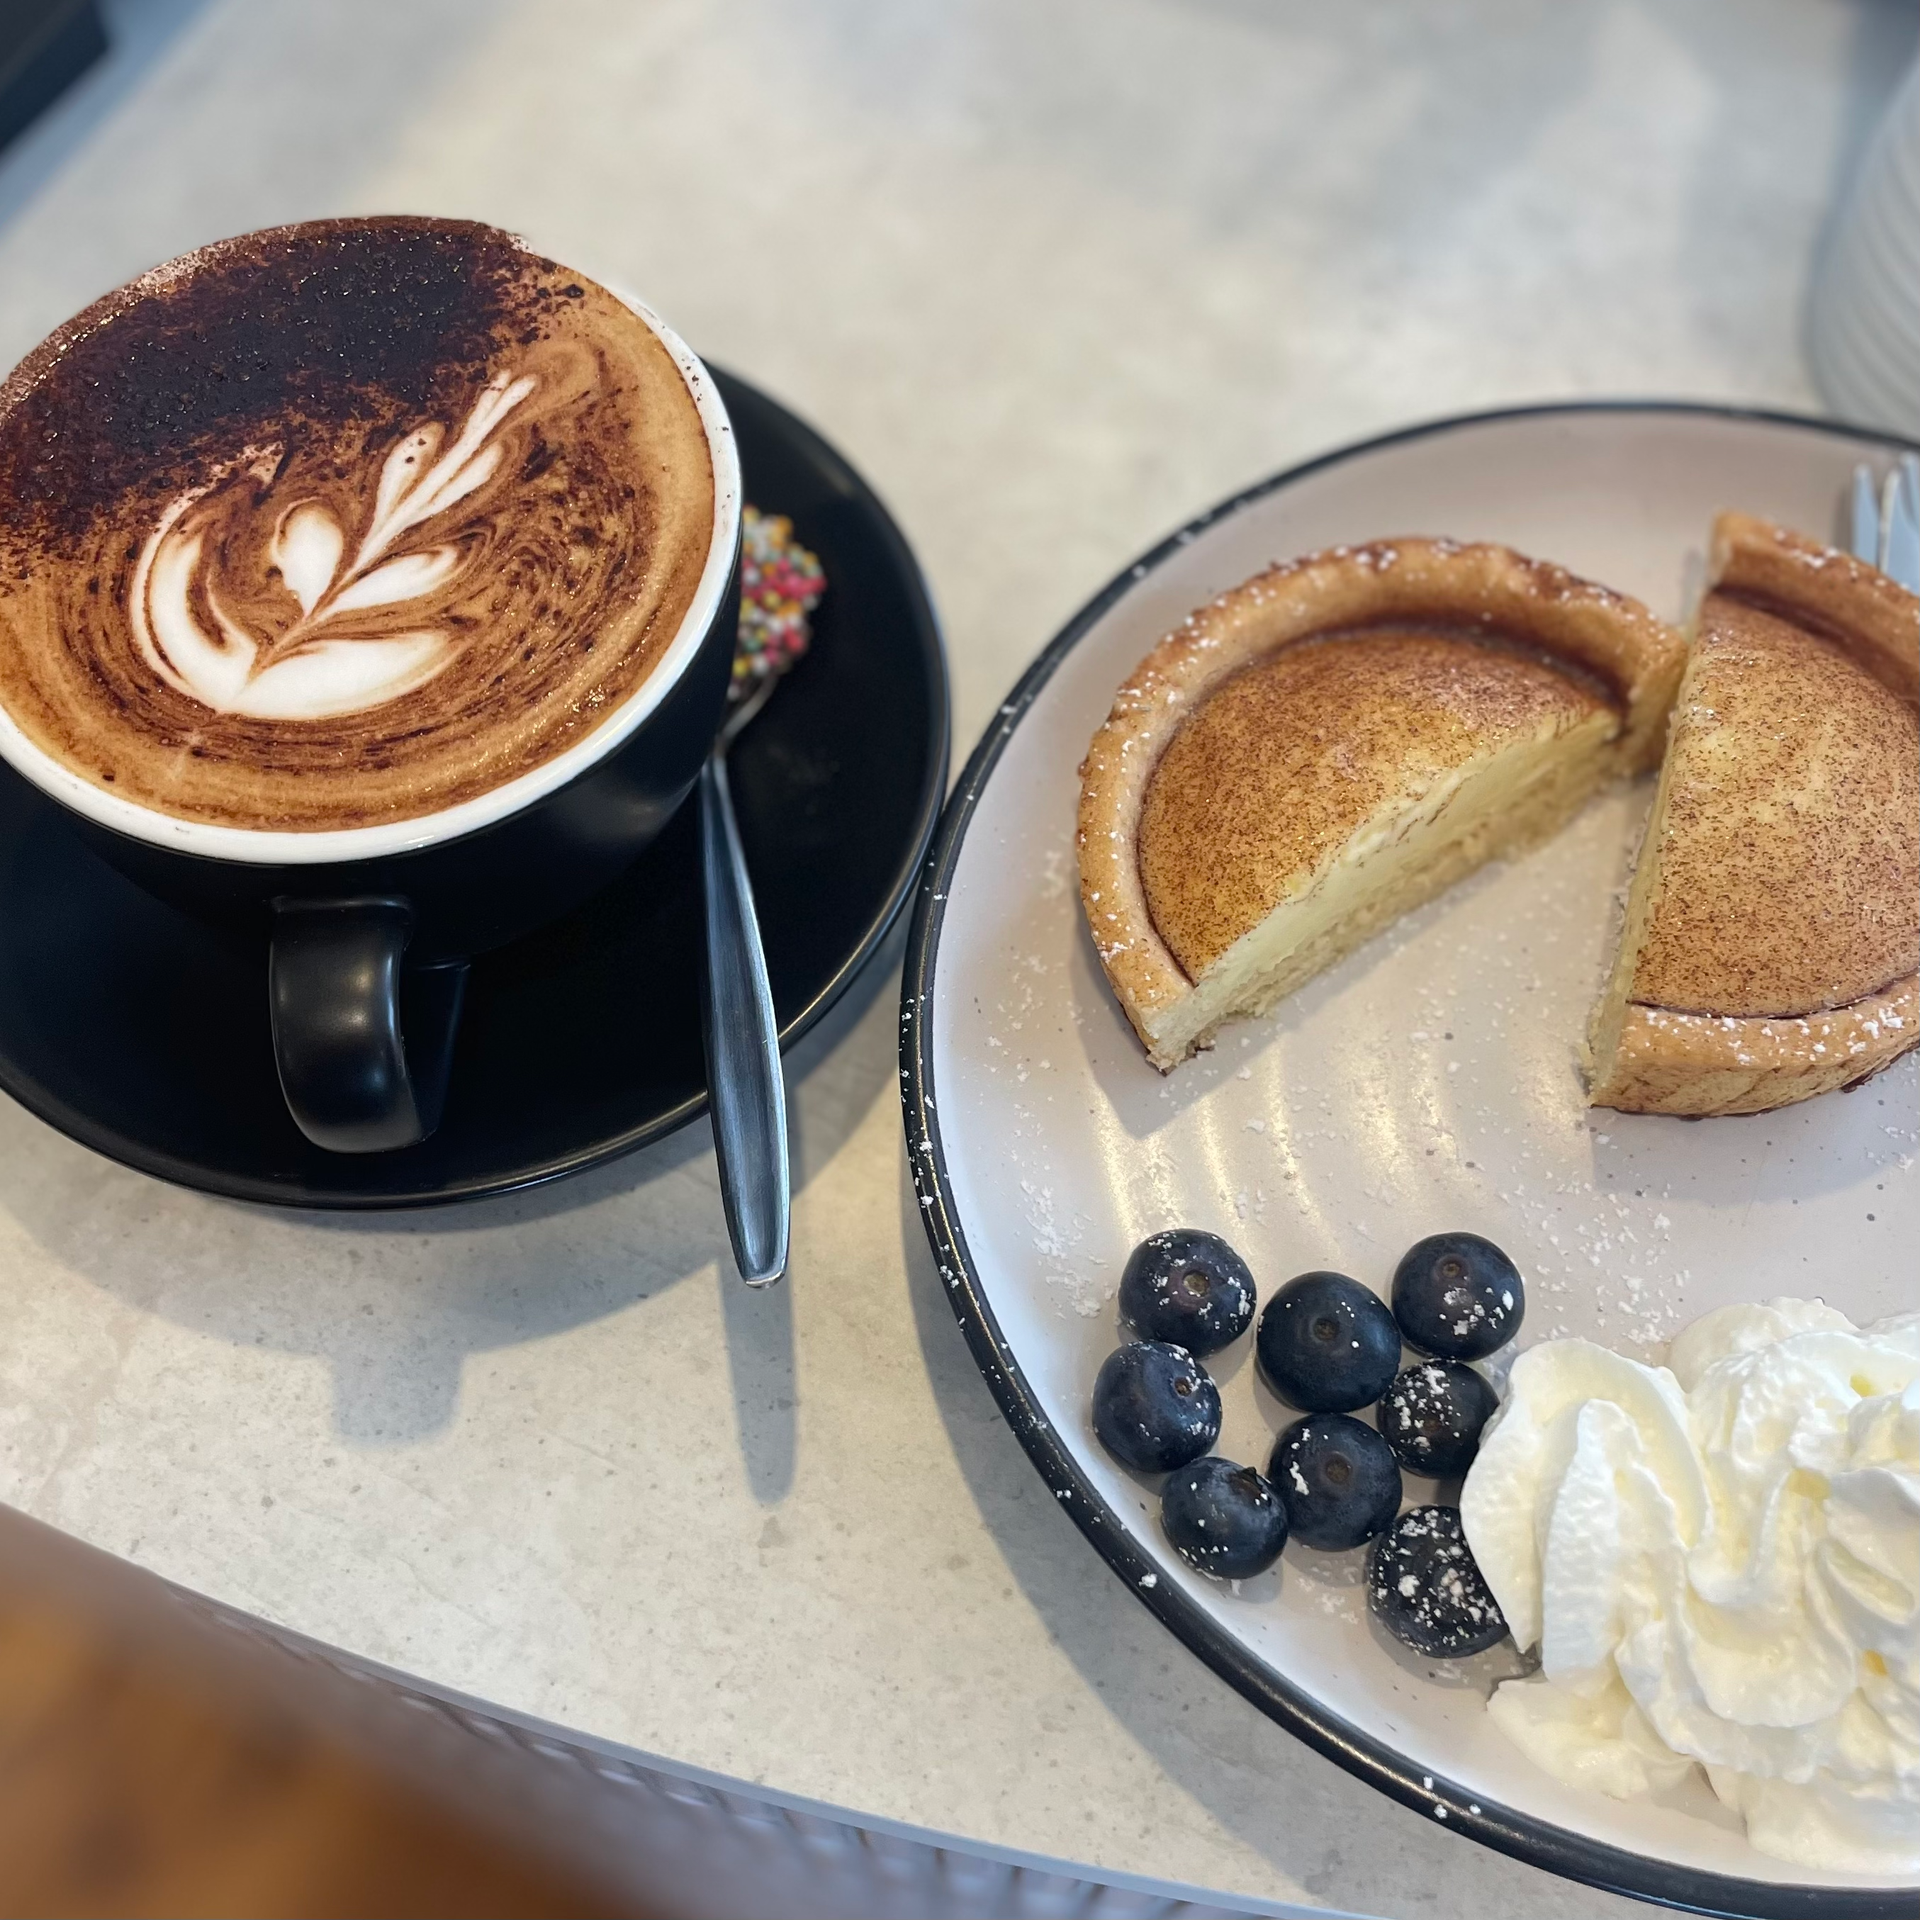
(1054,277)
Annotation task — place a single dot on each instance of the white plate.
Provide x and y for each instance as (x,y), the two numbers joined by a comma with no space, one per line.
(1428,1082)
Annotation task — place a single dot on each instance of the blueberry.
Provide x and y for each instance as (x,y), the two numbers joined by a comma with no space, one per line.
(1425,1588)
(1188,1287)
(1154,1406)
(1223,1519)
(1336,1479)
(1432,1415)
(1327,1344)
(1457,1295)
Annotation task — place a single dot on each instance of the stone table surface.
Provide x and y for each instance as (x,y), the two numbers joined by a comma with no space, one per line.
(1054,277)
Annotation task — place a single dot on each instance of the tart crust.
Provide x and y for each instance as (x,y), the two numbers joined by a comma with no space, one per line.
(1619,667)
(1773,927)
(1698,1064)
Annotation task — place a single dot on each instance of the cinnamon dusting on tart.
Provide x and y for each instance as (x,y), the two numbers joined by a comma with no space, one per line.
(1281,837)
(1773,932)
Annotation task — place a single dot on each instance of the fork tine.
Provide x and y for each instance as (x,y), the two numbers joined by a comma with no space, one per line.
(1900,525)
(1866,517)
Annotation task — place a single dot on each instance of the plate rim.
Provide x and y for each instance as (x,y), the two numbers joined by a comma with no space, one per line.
(922,631)
(1537,1842)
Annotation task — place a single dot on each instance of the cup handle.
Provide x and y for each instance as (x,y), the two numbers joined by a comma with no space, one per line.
(336,988)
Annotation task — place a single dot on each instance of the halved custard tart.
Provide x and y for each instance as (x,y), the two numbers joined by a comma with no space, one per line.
(1773,927)
(1332,743)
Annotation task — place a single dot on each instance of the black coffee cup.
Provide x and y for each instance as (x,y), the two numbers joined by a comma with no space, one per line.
(370,928)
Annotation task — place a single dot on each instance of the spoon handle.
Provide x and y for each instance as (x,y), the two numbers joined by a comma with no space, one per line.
(743,1046)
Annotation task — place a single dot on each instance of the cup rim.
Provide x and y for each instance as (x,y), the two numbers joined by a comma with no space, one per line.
(265,846)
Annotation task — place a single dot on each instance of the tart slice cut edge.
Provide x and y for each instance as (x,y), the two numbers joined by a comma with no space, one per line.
(1335,741)
(1772,933)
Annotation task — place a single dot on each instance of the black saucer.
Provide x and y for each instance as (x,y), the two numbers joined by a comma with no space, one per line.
(144,1035)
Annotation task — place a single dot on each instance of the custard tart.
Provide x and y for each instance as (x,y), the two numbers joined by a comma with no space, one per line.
(1772,933)
(1335,741)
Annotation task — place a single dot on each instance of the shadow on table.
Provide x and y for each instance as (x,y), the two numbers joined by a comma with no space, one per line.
(396,1302)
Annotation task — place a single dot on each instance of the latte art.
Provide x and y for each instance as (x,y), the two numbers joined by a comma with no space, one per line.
(343,524)
(326,662)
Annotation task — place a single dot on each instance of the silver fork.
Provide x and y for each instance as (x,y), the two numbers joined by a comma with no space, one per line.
(1886,520)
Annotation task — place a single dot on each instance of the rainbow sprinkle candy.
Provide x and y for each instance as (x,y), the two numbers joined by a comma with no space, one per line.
(780,584)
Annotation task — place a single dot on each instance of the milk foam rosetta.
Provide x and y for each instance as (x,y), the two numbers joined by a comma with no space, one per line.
(341,654)
(342,524)
(1719,1561)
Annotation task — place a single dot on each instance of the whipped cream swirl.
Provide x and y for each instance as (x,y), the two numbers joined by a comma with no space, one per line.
(1719,1561)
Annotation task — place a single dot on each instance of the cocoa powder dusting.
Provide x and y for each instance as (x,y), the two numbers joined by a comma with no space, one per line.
(325,325)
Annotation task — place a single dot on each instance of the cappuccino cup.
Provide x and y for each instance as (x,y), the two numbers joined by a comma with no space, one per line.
(371,583)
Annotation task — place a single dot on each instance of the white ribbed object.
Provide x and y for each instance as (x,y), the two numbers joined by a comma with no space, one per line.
(1866,301)
(684,1841)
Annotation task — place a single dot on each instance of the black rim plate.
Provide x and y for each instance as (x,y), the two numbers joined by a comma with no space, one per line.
(144,1036)
(1539,1843)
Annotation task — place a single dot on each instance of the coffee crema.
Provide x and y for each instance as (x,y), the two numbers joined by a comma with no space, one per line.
(341,524)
